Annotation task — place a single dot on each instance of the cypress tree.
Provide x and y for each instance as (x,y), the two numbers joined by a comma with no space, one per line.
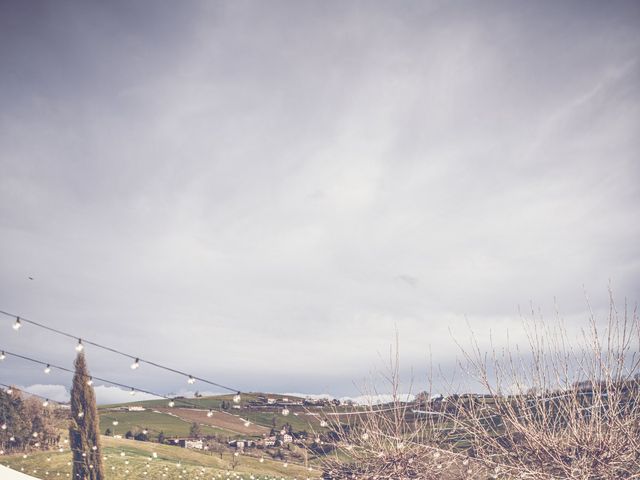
(84,430)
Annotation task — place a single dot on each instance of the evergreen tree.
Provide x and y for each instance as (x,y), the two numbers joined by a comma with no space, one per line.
(84,436)
(194,431)
(14,415)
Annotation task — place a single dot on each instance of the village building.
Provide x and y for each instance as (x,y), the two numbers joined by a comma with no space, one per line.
(270,441)
(190,443)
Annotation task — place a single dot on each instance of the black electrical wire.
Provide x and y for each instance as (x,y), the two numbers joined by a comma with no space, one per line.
(113,350)
(111,382)
(29,393)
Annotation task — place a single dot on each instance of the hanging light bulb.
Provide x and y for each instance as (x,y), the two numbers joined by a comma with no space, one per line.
(9,391)
(191,380)
(47,369)
(115,423)
(210,413)
(324,423)
(132,392)
(17,324)
(45,403)
(172,403)
(136,364)
(79,346)
(90,381)
(237,398)
(247,423)
(4,426)
(2,355)
(80,414)
(285,412)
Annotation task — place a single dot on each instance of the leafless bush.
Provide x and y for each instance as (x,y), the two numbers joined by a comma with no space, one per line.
(569,408)
(390,440)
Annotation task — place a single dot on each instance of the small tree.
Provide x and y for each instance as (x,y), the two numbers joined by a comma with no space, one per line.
(84,436)
(14,415)
(194,431)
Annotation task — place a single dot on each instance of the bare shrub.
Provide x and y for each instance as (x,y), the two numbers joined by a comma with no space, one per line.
(567,408)
(390,440)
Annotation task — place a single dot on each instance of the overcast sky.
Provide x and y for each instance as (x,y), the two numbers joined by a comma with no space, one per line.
(260,192)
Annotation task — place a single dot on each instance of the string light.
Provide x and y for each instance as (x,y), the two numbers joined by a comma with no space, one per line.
(171,403)
(90,381)
(2,356)
(285,412)
(45,403)
(237,398)
(132,392)
(17,324)
(191,380)
(47,369)
(210,413)
(137,359)
(127,387)
(136,364)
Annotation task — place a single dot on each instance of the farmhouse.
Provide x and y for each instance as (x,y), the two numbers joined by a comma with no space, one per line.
(242,444)
(270,441)
(190,443)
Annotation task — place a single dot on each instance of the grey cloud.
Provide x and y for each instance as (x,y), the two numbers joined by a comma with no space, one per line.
(242,189)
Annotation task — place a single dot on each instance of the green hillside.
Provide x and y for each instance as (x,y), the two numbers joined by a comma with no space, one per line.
(299,417)
(170,463)
(154,423)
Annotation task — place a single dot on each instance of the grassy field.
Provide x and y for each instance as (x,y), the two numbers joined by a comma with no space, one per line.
(170,463)
(154,422)
(221,420)
(266,416)
(203,402)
